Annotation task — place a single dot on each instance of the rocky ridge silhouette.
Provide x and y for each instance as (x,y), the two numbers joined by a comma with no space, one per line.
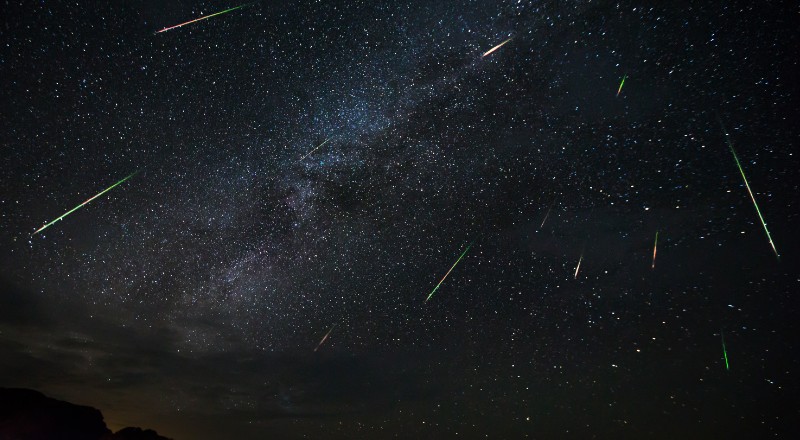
(30,415)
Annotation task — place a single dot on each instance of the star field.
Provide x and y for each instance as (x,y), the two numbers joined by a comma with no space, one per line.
(190,297)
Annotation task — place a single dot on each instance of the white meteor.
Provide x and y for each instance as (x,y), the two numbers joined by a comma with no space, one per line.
(315,149)
(578,268)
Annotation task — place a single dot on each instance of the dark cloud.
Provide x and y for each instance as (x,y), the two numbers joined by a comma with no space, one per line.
(245,383)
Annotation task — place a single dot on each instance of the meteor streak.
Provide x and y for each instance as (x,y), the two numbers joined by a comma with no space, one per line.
(579,266)
(325,337)
(448,272)
(724,351)
(202,18)
(315,149)
(621,84)
(749,191)
(546,215)
(496,47)
(82,204)
(653,266)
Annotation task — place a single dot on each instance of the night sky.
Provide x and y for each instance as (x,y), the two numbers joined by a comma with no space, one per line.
(190,298)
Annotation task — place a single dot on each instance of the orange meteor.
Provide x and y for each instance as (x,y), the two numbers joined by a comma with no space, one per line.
(496,47)
(655,245)
(325,337)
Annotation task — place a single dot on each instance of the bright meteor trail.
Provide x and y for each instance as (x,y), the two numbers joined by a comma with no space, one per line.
(653,266)
(496,47)
(315,149)
(621,84)
(84,203)
(545,218)
(448,272)
(325,337)
(749,191)
(724,351)
(201,18)
(578,268)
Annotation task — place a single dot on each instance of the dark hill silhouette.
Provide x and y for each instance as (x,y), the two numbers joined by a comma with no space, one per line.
(135,434)
(30,415)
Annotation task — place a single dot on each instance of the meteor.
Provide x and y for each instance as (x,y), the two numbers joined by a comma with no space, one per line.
(315,149)
(202,18)
(82,204)
(749,191)
(621,84)
(496,47)
(724,351)
(325,337)
(448,273)
(545,218)
(579,266)
(653,266)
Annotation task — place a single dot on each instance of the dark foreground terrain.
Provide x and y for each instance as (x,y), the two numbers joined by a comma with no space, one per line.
(30,415)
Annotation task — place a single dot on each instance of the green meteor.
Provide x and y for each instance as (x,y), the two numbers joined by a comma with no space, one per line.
(724,352)
(747,185)
(448,272)
(621,84)
(84,203)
